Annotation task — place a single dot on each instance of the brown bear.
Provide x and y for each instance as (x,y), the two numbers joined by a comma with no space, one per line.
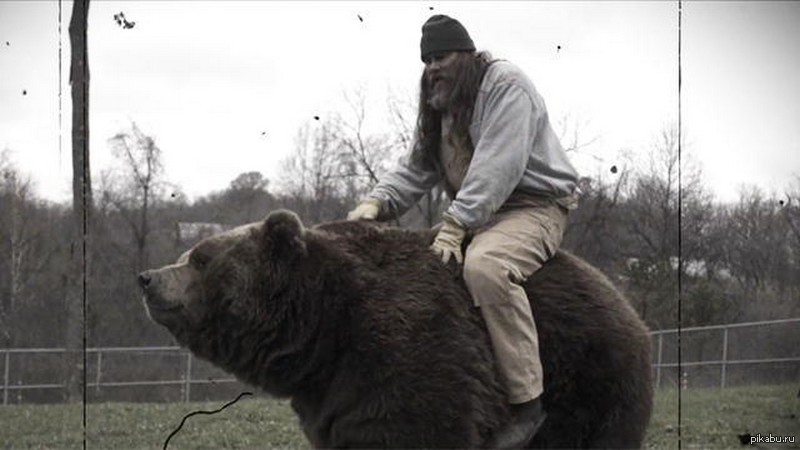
(378,344)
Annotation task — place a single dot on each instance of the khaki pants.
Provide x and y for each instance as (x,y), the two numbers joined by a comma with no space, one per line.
(501,256)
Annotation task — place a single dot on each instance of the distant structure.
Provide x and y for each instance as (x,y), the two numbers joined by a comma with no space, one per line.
(692,267)
(189,233)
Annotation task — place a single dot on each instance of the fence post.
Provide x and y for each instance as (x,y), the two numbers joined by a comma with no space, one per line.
(5,378)
(658,362)
(99,371)
(724,357)
(188,381)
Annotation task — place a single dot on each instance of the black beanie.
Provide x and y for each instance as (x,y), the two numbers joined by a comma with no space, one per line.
(441,33)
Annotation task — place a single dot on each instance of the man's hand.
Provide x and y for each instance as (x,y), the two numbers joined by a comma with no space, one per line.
(448,241)
(367,209)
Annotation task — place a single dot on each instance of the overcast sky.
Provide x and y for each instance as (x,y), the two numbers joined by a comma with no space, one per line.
(224,86)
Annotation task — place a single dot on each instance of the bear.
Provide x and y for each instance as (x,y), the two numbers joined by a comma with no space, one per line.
(378,344)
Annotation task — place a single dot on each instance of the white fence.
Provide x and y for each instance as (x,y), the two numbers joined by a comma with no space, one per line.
(756,352)
(181,375)
(708,355)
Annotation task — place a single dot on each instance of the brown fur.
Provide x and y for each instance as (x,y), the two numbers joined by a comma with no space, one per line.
(378,345)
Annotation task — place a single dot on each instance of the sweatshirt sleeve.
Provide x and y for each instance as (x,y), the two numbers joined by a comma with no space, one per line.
(400,189)
(506,135)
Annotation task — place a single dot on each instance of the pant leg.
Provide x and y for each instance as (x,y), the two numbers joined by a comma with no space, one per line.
(501,256)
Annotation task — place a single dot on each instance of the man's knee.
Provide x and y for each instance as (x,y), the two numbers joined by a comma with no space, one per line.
(477,267)
(487,273)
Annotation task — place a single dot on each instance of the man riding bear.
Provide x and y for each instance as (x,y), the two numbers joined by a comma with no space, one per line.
(484,131)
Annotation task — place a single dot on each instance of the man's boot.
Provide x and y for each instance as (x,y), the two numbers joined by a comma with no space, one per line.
(526,418)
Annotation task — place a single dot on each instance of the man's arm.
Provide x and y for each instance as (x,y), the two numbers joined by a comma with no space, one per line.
(401,189)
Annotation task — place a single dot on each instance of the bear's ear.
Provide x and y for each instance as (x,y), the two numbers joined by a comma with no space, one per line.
(284,234)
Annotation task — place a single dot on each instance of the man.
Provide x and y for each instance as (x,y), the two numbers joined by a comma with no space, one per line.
(484,131)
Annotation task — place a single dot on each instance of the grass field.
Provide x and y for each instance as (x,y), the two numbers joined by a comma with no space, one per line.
(711,418)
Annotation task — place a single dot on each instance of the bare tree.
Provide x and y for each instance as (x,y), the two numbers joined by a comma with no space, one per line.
(312,177)
(337,160)
(15,190)
(594,227)
(139,184)
(29,271)
(654,196)
(402,110)
(368,152)
(573,133)
(21,235)
(760,253)
(791,210)
(654,199)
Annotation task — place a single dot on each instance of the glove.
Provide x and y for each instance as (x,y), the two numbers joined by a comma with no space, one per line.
(367,209)
(448,241)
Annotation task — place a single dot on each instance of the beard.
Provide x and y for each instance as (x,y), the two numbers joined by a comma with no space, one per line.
(440,95)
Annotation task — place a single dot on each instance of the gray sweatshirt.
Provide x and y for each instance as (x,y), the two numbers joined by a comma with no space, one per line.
(516,151)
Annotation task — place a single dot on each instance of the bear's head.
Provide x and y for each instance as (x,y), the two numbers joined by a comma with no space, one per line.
(226,283)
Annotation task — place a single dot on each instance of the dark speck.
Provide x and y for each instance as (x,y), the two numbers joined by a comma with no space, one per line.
(360,19)
(430,8)
(744,439)
(24,92)
(316,117)
(613,169)
(123,22)
(558,48)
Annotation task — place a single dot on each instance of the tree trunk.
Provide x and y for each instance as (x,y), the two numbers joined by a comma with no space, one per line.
(75,338)
(142,259)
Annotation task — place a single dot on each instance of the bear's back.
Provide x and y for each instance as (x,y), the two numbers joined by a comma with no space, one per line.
(595,352)
(594,348)
(419,352)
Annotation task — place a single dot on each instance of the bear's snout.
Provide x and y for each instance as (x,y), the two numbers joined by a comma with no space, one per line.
(150,283)
(160,300)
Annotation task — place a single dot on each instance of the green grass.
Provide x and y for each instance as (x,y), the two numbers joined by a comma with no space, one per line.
(712,418)
(259,423)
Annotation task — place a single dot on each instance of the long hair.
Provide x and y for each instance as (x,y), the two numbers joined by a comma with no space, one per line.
(470,67)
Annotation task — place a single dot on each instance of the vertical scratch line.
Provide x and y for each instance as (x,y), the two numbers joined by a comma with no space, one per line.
(680,225)
(60,80)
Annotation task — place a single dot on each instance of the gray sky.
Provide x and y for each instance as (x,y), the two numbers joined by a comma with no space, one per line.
(207,78)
